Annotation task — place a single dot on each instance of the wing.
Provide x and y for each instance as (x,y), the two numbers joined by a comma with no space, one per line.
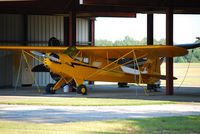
(34,48)
(109,52)
(148,51)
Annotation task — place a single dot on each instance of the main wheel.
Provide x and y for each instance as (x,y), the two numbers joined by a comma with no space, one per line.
(49,89)
(82,90)
(122,85)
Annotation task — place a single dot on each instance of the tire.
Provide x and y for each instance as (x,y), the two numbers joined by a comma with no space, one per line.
(55,76)
(82,90)
(49,88)
(122,85)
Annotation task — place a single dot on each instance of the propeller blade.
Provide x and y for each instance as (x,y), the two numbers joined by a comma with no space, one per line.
(38,53)
(52,58)
(40,68)
(45,56)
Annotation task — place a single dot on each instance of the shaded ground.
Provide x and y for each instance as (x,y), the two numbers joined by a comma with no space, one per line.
(183,94)
(62,114)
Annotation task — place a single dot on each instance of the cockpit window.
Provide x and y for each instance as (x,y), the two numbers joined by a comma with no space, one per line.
(71,51)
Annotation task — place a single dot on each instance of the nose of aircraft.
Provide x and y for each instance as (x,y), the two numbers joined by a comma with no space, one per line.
(52,65)
(47,62)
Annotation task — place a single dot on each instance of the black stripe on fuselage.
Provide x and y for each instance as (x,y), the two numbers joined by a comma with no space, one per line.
(78,64)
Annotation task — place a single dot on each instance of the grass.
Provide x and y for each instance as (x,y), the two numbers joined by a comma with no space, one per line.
(57,101)
(180,69)
(166,125)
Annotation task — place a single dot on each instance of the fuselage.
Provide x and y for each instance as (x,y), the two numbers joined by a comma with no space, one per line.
(79,71)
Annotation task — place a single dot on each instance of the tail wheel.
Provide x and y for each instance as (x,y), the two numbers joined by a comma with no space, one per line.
(82,90)
(49,89)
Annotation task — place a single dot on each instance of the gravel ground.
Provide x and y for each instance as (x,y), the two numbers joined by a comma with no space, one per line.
(64,114)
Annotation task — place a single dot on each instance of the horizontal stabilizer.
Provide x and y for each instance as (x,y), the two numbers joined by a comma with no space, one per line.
(189,46)
(40,68)
(162,77)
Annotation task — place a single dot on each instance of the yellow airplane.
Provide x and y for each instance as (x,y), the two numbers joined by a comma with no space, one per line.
(128,64)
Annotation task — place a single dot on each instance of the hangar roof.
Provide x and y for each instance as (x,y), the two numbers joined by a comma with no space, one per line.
(124,8)
(60,7)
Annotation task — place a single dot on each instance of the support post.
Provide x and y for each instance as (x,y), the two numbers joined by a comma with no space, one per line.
(72,24)
(91,31)
(66,31)
(149,36)
(91,37)
(149,29)
(169,61)
(25,38)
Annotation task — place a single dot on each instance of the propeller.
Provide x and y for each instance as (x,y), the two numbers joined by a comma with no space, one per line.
(40,68)
(51,56)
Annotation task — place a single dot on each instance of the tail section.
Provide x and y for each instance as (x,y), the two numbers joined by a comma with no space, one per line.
(189,46)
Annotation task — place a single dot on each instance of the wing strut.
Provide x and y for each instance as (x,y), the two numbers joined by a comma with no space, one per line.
(29,68)
(127,62)
(19,70)
(109,64)
(140,75)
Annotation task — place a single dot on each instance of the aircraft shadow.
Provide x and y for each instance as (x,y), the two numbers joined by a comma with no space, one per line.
(183,94)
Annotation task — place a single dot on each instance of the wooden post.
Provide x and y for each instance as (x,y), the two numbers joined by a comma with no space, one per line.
(169,61)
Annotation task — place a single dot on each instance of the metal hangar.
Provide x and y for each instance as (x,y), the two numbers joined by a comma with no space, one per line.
(72,22)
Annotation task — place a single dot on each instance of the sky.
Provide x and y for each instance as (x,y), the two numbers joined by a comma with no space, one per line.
(186,27)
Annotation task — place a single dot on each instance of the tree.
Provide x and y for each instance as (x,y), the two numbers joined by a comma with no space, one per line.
(193,55)
(103,43)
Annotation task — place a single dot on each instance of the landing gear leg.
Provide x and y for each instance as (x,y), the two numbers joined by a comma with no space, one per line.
(49,89)
(72,86)
(82,89)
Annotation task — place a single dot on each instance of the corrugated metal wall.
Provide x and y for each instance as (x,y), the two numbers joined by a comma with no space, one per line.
(82,31)
(40,28)
(11,29)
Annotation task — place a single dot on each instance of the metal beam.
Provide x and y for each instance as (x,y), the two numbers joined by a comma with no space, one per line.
(147,3)
(107,14)
(72,24)
(25,30)
(91,31)
(64,6)
(91,37)
(149,36)
(149,29)
(66,31)
(169,61)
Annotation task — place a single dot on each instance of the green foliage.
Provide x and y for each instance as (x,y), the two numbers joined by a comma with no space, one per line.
(193,55)
(103,43)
